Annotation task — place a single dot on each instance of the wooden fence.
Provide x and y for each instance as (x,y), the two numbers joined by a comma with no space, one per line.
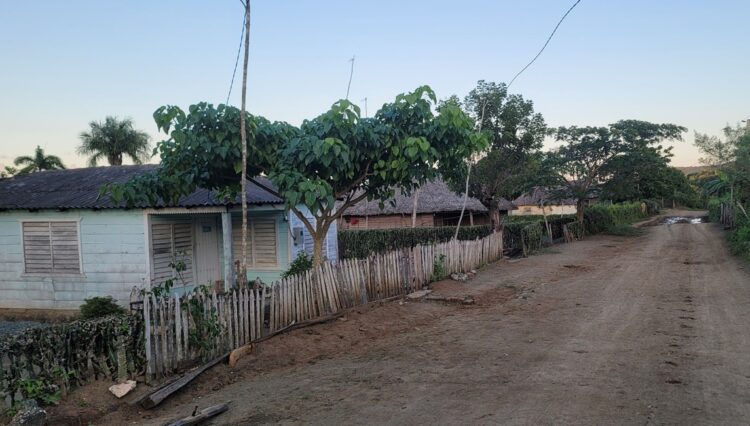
(726,215)
(183,330)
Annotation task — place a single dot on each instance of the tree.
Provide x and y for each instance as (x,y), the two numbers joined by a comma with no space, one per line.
(722,154)
(112,139)
(8,171)
(582,162)
(515,132)
(38,162)
(327,164)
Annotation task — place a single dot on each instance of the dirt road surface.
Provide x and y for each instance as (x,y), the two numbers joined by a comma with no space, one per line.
(611,330)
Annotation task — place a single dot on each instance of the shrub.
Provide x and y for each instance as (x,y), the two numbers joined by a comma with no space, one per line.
(302,264)
(739,240)
(97,307)
(362,243)
(601,217)
(714,209)
(531,238)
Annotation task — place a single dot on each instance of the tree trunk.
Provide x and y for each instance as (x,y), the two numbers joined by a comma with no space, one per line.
(317,250)
(546,222)
(579,211)
(414,209)
(495,216)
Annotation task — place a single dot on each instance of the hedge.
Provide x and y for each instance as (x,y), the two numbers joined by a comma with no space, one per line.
(357,244)
(42,363)
(600,217)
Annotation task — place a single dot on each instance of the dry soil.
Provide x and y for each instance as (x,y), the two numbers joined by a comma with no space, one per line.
(611,330)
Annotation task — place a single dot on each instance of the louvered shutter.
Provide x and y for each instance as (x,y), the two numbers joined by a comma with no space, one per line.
(51,247)
(264,242)
(65,256)
(171,243)
(237,240)
(183,248)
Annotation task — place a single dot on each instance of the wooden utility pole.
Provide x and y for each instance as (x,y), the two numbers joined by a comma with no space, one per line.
(414,208)
(468,175)
(243,138)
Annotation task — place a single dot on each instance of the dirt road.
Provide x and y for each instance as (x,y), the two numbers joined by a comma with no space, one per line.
(612,330)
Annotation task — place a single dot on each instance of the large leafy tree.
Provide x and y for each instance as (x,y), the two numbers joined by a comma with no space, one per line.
(589,154)
(38,162)
(721,154)
(327,164)
(112,139)
(515,132)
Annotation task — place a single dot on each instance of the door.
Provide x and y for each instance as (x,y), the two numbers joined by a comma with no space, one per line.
(207,269)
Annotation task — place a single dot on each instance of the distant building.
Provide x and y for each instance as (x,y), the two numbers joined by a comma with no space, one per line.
(530,204)
(437,205)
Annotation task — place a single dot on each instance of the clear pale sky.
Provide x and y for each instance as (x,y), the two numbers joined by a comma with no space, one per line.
(65,63)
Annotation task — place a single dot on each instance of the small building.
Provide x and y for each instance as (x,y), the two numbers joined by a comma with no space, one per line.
(436,205)
(61,242)
(530,204)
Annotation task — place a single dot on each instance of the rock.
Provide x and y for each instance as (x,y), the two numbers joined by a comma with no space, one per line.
(122,389)
(418,294)
(459,276)
(30,414)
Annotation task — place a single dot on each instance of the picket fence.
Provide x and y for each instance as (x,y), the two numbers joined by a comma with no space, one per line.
(245,315)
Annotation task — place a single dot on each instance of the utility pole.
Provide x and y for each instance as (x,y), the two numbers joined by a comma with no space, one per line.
(351,74)
(243,138)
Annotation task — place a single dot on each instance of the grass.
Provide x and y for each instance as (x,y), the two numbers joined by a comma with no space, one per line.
(624,231)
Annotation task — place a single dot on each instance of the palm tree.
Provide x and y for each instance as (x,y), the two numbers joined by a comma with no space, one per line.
(112,139)
(39,162)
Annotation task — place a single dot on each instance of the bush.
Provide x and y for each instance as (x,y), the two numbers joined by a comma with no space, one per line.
(714,209)
(739,240)
(97,307)
(602,217)
(359,244)
(653,206)
(531,238)
(301,264)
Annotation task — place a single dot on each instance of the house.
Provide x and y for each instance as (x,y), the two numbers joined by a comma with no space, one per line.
(437,205)
(530,203)
(60,242)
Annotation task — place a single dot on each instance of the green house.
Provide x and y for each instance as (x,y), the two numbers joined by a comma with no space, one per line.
(61,242)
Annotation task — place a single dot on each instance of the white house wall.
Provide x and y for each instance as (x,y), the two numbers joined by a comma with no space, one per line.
(331,247)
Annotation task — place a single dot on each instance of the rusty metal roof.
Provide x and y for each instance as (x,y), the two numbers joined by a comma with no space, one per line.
(79,189)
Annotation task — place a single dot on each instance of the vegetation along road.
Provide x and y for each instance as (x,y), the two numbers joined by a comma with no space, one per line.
(626,330)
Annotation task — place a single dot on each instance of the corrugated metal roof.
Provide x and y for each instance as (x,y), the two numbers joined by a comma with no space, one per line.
(79,189)
(434,197)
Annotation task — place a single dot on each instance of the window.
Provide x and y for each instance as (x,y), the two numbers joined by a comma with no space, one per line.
(51,247)
(261,244)
(172,244)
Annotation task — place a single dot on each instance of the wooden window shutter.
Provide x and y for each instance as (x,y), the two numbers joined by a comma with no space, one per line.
(264,242)
(237,240)
(171,243)
(51,247)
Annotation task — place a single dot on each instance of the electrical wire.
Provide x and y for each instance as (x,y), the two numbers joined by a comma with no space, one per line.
(237,60)
(545,43)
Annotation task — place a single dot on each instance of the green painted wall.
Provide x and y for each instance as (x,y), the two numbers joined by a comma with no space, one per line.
(112,252)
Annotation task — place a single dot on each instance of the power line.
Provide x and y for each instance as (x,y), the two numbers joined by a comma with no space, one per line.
(545,43)
(236,61)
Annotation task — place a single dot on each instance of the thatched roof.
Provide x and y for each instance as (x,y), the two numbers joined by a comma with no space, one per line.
(536,195)
(434,197)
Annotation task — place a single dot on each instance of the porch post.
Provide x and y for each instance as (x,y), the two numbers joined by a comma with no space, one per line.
(226,230)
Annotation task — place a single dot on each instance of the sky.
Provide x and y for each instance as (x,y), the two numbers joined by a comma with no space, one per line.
(64,64)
